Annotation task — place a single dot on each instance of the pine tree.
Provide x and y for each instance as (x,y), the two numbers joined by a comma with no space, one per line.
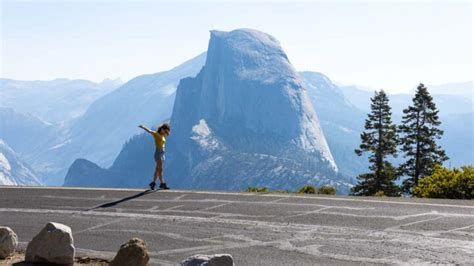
(419,132)
(380,141)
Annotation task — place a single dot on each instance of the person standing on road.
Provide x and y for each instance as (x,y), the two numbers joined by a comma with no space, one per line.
(160,136)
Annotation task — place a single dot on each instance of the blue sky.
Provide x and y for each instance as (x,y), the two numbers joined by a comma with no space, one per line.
(385,44)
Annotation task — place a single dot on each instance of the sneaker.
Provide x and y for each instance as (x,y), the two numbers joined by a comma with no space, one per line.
(164,186)
(152,185)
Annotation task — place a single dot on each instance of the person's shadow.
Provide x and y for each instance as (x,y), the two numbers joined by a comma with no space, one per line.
(113,203)
(24,263)
(86,261)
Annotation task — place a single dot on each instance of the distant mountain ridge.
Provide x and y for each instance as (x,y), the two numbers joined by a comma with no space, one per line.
(54,101)
(111,120)
(22,131)
(463,89)
(448,101)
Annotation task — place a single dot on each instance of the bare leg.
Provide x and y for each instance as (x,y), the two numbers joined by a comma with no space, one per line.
(155,174)
(158,171)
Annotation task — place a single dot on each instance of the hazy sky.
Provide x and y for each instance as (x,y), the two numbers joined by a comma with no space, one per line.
(386,45)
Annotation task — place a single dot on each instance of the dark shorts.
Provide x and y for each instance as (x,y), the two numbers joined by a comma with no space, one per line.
(159,155)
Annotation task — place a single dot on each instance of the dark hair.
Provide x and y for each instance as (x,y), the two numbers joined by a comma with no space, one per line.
(164,126)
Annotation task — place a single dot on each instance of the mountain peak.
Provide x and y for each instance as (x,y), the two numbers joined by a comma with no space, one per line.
(252,54)
(250,81)
(250,36)
(247,106)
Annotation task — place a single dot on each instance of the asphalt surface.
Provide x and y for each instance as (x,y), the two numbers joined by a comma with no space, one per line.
(256,229)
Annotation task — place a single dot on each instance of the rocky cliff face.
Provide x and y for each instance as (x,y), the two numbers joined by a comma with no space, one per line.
(340,120)
(13,171)
(246,120)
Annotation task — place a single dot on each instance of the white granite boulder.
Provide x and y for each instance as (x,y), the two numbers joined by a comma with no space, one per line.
(8,242)
(54,244)
(132,253)
(209,260)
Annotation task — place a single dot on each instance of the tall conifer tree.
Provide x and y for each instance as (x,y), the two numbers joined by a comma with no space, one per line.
(418,134)
(380,140)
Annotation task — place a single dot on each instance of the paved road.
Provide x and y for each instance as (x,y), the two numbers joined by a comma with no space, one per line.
(263,229)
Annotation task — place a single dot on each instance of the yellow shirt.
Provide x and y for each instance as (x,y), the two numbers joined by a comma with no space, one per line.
(159,141)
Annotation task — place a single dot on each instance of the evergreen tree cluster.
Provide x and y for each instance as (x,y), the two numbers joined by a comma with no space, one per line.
(417,136)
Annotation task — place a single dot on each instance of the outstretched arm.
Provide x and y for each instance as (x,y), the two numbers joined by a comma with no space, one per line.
(146,129)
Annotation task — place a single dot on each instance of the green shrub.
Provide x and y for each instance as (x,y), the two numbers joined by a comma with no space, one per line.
(281,191)
(327,190)
(308,189)
(379,193)
(256,189)
(446,183)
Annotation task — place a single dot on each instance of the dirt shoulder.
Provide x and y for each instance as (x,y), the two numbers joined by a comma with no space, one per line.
(18,259)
